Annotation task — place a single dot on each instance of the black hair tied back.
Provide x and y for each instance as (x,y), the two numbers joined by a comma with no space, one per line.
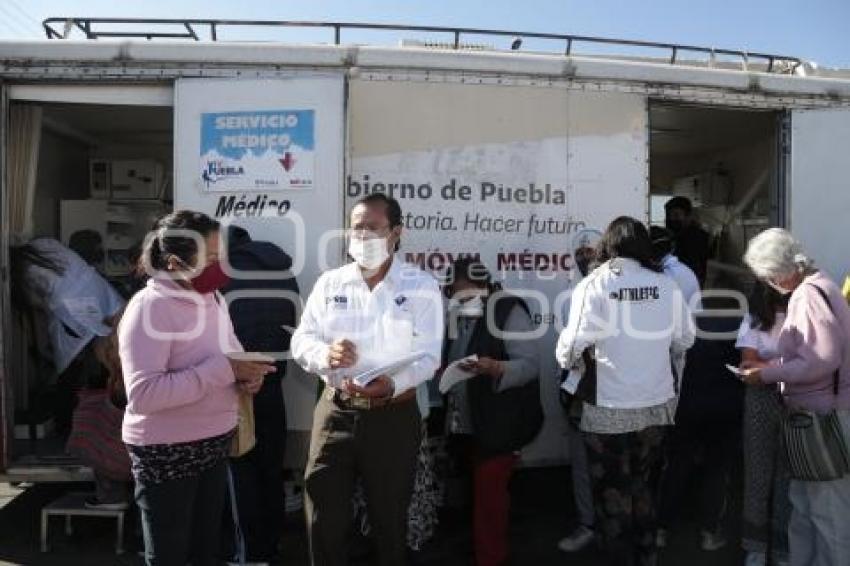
(161,243)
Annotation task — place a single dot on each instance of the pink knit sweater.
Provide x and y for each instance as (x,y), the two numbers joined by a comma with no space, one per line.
(180,385)
(813,343)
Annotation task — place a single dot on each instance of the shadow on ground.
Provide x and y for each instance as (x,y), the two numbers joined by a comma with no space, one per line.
(542,514)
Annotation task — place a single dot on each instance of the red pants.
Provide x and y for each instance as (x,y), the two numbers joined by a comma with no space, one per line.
(491,508)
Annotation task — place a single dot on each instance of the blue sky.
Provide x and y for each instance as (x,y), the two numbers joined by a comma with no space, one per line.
(816,30)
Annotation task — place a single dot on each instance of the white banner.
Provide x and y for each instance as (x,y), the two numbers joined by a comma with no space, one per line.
(519,177)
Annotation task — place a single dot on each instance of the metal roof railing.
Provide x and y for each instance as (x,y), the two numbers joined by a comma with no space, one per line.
(158,28)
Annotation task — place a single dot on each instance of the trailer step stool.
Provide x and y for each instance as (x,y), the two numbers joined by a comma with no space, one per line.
(74,505)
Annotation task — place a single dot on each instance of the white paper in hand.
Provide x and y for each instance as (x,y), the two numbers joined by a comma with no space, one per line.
(453,374)
(250,357)
(739,373)
(570,385)
(366,377)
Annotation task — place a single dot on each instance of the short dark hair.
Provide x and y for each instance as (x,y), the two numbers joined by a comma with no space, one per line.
(662,242)
(88,244)
(627,237)
(393,208)
(471,270)
(679,203)
(237,236)
(159,244)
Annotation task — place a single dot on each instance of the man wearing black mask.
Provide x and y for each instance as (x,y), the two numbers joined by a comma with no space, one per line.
(691,240)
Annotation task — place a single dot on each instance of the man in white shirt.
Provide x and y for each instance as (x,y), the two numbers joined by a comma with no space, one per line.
(363,315)
(662,248)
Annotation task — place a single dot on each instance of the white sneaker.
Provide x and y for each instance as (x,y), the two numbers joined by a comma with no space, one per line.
(576,540)
(661,538)
(713,541)
(755,559)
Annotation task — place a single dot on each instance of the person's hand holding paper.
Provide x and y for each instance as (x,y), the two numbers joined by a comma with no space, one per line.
(457,371)
(379,387)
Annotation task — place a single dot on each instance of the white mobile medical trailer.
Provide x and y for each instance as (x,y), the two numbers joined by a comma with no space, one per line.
(518,155)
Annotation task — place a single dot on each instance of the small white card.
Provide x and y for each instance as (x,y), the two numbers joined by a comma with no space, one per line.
(739,373)
(570,385)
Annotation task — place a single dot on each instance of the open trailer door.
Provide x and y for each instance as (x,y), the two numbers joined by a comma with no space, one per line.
(819,194)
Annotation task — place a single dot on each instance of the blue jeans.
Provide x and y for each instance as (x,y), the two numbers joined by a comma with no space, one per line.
(181,519)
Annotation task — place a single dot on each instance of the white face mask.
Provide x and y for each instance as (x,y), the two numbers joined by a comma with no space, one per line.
(777,288)
(472,307)
(369,254)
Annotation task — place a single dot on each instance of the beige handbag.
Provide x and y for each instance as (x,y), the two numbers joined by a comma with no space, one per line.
(244,439)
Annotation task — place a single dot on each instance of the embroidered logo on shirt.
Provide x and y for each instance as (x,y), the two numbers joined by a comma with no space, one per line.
(636,294)
(338,301)
(400,300)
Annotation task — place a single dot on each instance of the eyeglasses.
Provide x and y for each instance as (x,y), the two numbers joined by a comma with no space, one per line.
(367,232)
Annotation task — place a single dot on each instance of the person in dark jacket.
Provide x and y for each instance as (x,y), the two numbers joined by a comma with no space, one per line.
(493,414)
(263,323)
(692,241)
(703,444)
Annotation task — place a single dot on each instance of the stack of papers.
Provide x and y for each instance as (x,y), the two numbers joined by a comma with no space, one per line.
(366,377)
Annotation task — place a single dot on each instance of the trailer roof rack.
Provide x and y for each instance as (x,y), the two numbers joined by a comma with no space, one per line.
(164,28)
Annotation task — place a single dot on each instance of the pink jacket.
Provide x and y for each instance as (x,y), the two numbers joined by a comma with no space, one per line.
(180,385)
(813,343)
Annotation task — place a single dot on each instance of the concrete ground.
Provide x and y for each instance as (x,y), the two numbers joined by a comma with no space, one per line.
(542,514)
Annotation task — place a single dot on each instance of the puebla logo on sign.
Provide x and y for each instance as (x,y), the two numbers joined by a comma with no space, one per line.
(262,150)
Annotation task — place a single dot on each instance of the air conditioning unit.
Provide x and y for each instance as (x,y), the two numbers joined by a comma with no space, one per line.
(125,179)
(136,179)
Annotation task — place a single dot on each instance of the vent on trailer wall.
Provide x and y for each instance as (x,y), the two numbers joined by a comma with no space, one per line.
(446,45)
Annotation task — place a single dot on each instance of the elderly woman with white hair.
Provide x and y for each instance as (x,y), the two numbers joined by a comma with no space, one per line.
(814,370)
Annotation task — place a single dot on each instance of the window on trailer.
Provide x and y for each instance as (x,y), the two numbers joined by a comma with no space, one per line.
(101,175)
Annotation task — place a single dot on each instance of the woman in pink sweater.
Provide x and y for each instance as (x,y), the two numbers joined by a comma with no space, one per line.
(813,369)
(174,341)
